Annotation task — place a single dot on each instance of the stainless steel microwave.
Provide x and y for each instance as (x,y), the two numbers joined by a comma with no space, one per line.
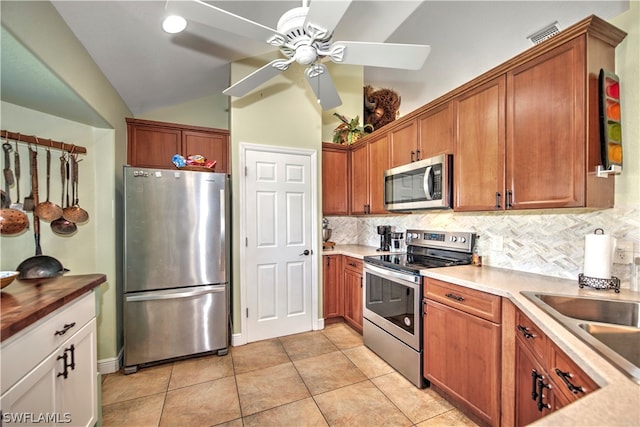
(425,184)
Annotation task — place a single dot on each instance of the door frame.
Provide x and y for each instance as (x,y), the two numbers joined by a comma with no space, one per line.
(313,156)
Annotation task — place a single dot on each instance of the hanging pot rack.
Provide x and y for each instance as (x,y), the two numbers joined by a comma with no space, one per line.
(36,140)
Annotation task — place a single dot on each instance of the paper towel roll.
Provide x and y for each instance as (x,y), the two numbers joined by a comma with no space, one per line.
(598,255)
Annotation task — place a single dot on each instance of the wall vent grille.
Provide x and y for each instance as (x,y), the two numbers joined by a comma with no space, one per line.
(544,34)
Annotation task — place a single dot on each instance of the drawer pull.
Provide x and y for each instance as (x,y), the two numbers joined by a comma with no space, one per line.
(565,378)
(66,327)
(455,297)
(525,332)
(352,264)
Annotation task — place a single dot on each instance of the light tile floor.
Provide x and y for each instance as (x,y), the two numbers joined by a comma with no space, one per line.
(320,378)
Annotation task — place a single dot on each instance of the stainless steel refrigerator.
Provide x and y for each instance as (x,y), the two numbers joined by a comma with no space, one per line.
(176,264)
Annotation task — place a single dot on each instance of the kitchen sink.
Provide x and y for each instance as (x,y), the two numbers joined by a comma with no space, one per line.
(595,310)
(610,327)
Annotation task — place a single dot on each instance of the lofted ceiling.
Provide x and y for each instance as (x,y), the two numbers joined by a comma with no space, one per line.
(151,69)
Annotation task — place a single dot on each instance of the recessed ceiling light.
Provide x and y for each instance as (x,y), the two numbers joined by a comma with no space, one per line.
(174,24)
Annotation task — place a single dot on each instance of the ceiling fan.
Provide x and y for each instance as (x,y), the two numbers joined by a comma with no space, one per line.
(303,35)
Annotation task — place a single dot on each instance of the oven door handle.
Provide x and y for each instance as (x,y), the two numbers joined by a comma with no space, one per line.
(391,273)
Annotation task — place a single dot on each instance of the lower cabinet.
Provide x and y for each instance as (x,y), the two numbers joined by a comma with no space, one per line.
(342,289)
(546,379)
(333,294)
(353,292)
(462,340)
(61,388)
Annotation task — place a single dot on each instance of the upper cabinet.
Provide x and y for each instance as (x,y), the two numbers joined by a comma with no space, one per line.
(152,144)
(529,137)
(479,148)
(525,134)
(435,133)
(335,179)
(369,160)
(404,146)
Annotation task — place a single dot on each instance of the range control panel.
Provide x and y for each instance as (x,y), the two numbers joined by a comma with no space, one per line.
(453,240)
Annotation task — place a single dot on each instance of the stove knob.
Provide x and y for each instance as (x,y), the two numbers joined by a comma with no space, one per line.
(453,238)
(462,240)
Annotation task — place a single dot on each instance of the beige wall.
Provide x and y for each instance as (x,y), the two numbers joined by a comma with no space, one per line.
(209,111)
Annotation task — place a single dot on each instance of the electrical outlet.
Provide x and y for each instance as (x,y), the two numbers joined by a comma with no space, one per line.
(624,252)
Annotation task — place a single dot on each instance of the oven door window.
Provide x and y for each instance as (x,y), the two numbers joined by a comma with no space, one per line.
(393,301)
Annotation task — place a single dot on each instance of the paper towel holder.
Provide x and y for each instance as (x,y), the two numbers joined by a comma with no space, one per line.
(596,283)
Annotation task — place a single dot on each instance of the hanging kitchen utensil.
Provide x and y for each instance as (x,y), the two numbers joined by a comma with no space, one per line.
(75,213)
(12,221)
(29,203)
(16,169)
(48,210)
(40,267)
(61,226)
(34,191)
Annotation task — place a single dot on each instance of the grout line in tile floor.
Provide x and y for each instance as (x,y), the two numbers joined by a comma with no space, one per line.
(323,378)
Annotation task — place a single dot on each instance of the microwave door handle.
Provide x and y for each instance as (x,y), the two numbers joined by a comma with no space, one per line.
(428,182)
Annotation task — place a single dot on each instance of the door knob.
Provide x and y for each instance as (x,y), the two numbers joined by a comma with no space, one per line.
(306,252)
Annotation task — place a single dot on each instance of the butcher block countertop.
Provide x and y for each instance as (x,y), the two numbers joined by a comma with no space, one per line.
(24,302)
(616,403)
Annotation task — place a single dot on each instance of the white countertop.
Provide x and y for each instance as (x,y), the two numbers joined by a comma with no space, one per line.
(617,402)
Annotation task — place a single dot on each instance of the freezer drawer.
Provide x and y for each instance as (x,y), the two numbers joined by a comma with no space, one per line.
(167,324)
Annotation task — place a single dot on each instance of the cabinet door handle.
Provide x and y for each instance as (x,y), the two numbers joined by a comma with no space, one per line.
(498,195)
(413,153)
(509,201)
(328,261)
(565,378)
(534,383)
(72,350)
(541,387)
(525,332)
(455,297)
(418,154)
(65,328)
(64,373)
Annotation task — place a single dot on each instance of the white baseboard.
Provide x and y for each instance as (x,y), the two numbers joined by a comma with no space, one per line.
(238,339)
(110,365)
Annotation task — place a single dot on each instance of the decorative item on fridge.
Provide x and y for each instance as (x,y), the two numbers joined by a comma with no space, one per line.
(599,249)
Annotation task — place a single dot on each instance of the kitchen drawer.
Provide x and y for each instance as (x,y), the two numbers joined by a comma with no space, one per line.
(42,338)
(530,335)
(576,382)
(351,263)
(477,303)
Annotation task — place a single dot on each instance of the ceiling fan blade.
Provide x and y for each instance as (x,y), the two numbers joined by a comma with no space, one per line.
(204,13)
(322,85)
(325,15)
(390,55)
(258,77)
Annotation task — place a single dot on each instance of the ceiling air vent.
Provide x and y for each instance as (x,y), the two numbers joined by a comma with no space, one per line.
(545,33)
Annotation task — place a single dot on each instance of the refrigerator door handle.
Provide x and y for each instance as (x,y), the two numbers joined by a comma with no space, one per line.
(173,294)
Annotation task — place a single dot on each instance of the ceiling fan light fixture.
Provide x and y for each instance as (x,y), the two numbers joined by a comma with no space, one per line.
(173,24)
(305,55)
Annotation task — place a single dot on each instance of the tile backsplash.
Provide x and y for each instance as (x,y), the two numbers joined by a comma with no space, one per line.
(544,242)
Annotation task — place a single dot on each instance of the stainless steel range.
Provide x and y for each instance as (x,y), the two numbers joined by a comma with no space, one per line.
(392,325)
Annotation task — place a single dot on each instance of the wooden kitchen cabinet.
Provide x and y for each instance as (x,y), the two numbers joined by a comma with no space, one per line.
(335,179)
(369,160)
(333,291)
(35,379)
(152,144)
(404,146)
(479,179)
(462,340)
(529,137)
(435,131)
(546,379)
(352,283)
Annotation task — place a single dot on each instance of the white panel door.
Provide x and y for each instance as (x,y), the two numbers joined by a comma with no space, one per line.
(278,244)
